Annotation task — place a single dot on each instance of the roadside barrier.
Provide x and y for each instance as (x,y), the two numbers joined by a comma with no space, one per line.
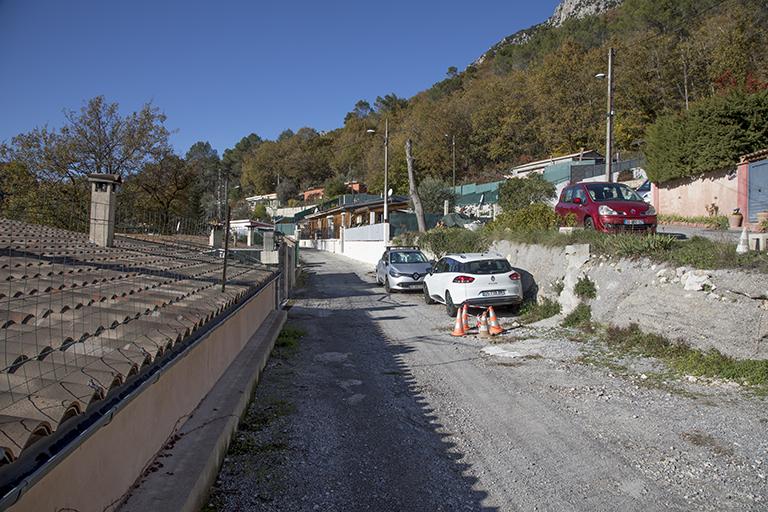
(482,330)
(494,327)
(458,328)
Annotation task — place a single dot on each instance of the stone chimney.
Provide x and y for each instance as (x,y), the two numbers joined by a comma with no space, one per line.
(102,220)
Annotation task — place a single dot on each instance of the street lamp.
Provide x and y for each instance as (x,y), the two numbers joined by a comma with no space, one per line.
(609,115)
(453,156)
(226,233)
(386,167)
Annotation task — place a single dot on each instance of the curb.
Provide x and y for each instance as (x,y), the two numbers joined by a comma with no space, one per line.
(182,473)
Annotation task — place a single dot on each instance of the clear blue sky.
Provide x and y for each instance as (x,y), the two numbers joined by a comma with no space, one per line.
(223,69)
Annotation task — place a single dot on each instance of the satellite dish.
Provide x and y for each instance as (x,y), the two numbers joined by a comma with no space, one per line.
(389,193)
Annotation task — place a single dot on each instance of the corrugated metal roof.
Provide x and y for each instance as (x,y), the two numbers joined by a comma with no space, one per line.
(77,320)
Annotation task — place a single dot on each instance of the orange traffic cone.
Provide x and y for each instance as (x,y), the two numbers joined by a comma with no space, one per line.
(482,331)
(465,318)
(494,327)
(458,328)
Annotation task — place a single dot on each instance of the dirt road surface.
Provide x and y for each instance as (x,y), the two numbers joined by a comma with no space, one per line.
(378,408)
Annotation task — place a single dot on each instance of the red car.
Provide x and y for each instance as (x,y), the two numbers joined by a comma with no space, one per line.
(607,207)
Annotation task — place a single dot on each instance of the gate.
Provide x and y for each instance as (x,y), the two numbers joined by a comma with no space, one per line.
(758,189)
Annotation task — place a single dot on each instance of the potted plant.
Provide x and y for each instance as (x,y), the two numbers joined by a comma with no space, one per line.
(762,219)
(735,218)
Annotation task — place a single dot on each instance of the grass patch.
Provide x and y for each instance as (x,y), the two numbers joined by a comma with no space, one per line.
(289,337)
(585,288)
(245,445)
(261,418)
(686,360)
(579,317)
(532,312)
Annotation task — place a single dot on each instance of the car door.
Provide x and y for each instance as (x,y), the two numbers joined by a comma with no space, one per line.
(435,280)
(580,207)
(564,206)
(381,270)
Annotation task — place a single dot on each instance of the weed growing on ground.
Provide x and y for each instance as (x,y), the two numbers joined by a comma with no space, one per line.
(558,286)
(532,311)
(579,317)
(258,419)
(684,359)
(289,337)
(585,288)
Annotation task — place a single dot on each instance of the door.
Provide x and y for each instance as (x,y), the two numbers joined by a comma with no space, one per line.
(436,281)
(580,209)
(758,189)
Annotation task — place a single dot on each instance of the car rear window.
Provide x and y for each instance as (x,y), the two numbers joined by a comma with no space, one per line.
(486,267)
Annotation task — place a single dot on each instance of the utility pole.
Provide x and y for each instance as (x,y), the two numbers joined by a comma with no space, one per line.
(226,236)
(453,154)
(609,118)
(386,170)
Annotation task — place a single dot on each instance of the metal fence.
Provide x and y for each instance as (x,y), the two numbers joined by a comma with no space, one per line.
(583,172)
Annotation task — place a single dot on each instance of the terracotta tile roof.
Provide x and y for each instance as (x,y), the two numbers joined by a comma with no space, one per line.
(757,155)
(78,320)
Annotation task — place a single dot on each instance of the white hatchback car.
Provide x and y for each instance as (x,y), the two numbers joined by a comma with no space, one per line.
(480,279)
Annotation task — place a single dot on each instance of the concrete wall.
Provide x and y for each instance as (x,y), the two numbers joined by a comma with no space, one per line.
(366,243)
(730,315)
(102,469)
(690,197)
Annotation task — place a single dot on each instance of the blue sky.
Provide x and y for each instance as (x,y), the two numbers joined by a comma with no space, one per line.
(221,70)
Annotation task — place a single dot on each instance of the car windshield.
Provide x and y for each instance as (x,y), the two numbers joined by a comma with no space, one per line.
(486,267)
(407,257)
(600,192)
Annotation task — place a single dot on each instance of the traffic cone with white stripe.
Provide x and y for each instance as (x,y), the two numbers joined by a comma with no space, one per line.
(465,318)
(482,331)
(494,327)
(458,328)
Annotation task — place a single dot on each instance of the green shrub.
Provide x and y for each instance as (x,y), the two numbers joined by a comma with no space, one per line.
(441,241)
(585,288)
(534,217)
(534,311)
(408,238)
(711,221)
(518,193)
(579,317)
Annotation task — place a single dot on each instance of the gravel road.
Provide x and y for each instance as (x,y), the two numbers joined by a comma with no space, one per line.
(378,408)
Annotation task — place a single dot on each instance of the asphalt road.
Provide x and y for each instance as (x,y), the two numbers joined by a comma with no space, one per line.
(378,408)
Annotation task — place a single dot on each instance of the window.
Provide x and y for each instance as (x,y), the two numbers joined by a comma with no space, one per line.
(407,257)
(486,267)
(441,266)
(453,265)
(579,192)
(567,194)
(612,192)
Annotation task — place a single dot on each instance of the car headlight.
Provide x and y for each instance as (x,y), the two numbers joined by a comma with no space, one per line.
(607,210)
(650,211)
(394,273)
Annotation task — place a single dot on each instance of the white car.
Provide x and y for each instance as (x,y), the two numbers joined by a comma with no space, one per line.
(480,279)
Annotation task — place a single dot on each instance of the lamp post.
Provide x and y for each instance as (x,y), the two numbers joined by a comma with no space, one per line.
(609,116)
(226,233)
(453,156)
(386,167)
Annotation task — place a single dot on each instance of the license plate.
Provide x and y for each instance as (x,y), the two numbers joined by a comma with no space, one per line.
(492,293)
(634,222)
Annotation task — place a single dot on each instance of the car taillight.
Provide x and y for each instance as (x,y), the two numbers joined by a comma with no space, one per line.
(463,279)
(514,276)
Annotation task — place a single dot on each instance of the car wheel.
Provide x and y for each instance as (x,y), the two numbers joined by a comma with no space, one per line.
(427,298)
(386,285)
(450,308)
(589,223)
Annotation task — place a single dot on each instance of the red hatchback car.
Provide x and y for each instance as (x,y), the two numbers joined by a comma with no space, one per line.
(607,207)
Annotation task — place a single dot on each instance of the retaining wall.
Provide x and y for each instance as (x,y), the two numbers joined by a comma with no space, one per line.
(722,309)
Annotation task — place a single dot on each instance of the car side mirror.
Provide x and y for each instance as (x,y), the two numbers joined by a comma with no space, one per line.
(577,200)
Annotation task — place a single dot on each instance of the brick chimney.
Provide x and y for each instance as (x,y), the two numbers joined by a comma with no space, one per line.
(102,219)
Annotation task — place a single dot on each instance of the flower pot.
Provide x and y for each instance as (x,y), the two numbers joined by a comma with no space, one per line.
(734,220)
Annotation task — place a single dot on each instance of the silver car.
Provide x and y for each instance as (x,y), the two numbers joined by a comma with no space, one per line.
(402,268)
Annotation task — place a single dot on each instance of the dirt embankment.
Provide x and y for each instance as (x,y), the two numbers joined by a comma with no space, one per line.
(722,309)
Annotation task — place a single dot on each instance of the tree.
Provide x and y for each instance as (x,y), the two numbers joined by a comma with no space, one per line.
(413,188)
(518,193)
(205,193)
(260,213)
(158,192)
(361,111)
(97,139)
(433,193)
(286,191)
(389,103)
(232,159)
(335,186)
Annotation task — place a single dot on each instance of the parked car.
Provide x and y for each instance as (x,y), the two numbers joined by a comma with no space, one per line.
(479,279)
(402,268)
(644,191)
(607,207)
